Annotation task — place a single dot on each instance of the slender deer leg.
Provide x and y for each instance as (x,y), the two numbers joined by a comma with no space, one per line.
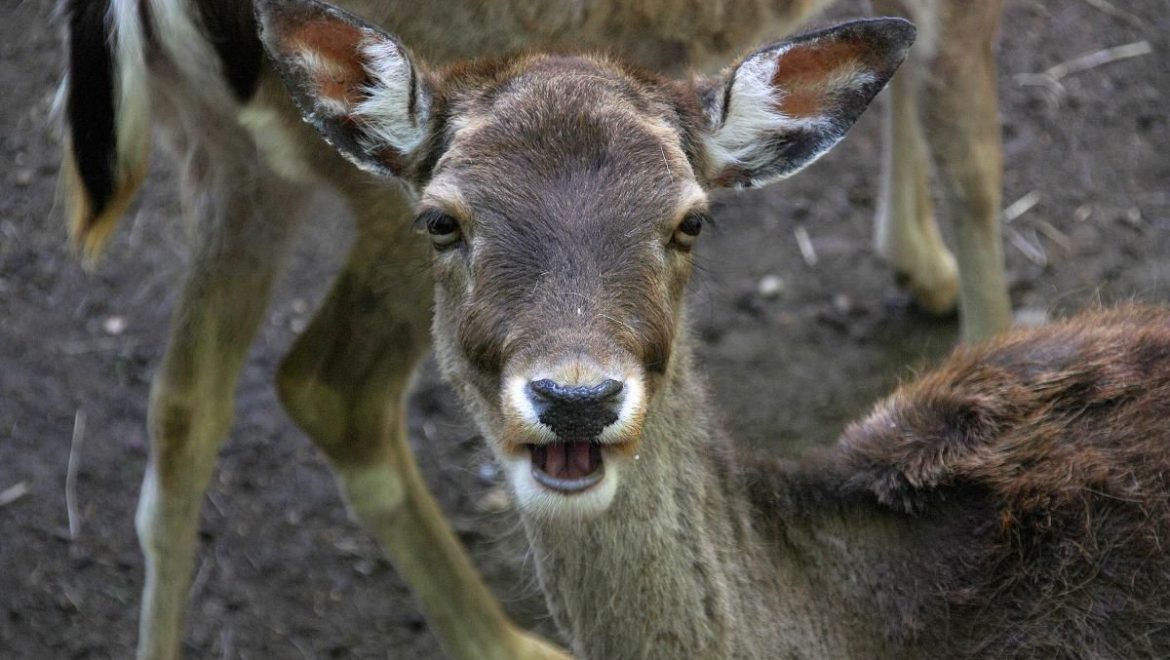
(906,234)
(242,218)
(343,383)
(960,112)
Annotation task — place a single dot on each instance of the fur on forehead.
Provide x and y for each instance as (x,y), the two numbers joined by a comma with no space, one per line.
(556,115)
(488,79)
(542,82)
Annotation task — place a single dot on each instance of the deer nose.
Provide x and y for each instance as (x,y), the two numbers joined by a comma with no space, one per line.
(576,412)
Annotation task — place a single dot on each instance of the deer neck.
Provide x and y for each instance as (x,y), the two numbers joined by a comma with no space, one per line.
(667,570)
(695,557)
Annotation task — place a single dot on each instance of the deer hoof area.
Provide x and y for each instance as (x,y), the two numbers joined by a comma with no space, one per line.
(937,297)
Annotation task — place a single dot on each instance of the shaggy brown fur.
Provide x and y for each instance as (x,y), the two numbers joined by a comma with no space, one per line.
(1066,432)
(1021,493)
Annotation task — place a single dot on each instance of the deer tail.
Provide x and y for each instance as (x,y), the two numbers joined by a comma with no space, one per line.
(104,102)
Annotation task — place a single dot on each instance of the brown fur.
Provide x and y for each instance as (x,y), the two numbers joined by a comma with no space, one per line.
(1065,432)
(334,40)
(803,72)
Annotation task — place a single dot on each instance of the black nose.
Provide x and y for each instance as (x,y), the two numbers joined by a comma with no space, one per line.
(576,412)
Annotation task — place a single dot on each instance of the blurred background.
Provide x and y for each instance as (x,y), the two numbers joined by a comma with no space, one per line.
(796,346)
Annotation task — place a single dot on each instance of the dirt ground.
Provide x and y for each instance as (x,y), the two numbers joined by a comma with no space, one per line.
(281,571)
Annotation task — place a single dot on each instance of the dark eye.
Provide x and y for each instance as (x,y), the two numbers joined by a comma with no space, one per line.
(688,229)
(442,228)
(691,225)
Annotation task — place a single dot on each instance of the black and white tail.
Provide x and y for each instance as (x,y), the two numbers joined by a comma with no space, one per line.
(214,59)
(106,110)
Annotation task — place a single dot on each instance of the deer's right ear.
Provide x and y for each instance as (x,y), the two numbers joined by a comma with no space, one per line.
(353,82)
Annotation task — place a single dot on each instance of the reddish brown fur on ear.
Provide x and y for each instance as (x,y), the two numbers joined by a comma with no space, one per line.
(791,101)
(805,75)
(353,82)
(325,42)
(813,70)
(344,76)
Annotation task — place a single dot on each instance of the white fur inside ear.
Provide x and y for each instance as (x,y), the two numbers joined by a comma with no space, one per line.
(385,110)
(752,115)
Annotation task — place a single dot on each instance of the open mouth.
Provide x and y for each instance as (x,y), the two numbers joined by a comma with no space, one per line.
(567,467)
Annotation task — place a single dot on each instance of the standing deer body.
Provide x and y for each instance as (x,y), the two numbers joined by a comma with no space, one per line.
(1012,503)
(196,70)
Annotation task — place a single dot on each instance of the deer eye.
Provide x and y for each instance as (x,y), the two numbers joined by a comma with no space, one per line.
(442,228)
(687,230)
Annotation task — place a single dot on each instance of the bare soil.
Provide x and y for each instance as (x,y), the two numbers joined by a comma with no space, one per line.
(281,571)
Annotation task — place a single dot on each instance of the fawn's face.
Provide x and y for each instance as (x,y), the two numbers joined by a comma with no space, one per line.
(562,197)
(562,216)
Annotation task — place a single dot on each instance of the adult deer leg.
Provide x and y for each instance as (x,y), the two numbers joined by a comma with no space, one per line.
(241,216)
(906,234)
(960,111)
(343,383)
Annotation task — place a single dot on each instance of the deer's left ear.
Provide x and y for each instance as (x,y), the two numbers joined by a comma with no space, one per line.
(787,104)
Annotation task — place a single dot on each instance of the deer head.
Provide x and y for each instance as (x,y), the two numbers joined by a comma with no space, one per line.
(563,196)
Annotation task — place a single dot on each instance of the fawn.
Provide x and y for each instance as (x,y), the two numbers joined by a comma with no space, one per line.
(1011,503)
(197,71)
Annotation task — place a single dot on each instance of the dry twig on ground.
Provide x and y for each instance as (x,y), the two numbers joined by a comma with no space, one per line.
(71,474)
(13,493)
